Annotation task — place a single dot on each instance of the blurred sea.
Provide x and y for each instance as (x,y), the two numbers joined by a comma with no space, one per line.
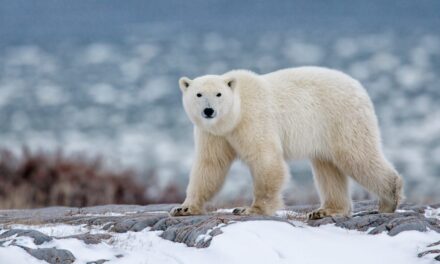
(100,77)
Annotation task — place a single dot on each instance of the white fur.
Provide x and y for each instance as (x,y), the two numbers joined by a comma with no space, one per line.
(307,112)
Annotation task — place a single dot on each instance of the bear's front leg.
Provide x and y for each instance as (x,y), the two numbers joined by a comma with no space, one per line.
(269,172)
(214,156)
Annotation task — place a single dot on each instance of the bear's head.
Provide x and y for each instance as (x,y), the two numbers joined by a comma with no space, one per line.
(211,102)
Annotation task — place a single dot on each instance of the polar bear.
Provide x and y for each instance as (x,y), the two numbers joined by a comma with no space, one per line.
(307,112)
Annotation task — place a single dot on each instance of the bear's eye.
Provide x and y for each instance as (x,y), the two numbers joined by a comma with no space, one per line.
(219,94)
(199,95)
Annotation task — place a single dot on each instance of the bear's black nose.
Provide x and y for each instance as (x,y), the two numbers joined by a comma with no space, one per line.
(208,112)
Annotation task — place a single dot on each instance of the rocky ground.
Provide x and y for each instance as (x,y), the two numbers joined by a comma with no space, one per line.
(114,219)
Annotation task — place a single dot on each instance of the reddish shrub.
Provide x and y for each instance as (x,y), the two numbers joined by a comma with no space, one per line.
(40,179)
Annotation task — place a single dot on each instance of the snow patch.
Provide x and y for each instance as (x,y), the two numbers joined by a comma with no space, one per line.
(256,241)
(432,212)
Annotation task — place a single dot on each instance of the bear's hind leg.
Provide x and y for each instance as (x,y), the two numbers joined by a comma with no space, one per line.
(377,175)
(333,190)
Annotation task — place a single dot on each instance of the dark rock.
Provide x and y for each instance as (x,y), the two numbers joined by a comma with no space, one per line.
(379,229)
(89,238)
(437,258)
(399,225)
(100,220)
(435,206)
(364,222)
(38,237)
(366,218)
(164,223)
(432,251)
(415,208)
(434,244)
(52,255)
(100,261)
(148,222)
(123,226)
(197,231)
(319,222)
(364,213)
(189,230)
(108,226)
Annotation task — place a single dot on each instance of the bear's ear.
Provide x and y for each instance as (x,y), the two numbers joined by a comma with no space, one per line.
(231,82)
(184,83)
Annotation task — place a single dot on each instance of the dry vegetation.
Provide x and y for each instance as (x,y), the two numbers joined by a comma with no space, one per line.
(37,179)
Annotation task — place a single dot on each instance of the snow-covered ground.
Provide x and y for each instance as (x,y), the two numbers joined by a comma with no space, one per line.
(241,242)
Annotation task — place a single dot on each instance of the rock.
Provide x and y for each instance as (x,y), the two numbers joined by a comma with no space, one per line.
(366,217)
(319,222)
(52,255)
(197,231)
(36,216)
(364,222)
(38,237)
(398,225)
(89,238)
(432,251)
(123,226)
(108,226)
(164,223)
(141,224)
(100,261)
(434,244)
(191,229)
(126,208)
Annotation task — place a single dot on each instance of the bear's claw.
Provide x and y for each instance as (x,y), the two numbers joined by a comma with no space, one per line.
(180,211)
(318,214)
(185,211)
(239,211)
(327,212)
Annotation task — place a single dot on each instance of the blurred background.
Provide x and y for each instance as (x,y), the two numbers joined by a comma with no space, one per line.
(90,109)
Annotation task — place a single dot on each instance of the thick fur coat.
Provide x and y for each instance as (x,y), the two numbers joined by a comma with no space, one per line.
(308,112)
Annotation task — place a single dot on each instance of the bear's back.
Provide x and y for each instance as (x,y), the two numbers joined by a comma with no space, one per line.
(307,103)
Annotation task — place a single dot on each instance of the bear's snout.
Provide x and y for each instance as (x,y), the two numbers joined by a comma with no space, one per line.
(208,113)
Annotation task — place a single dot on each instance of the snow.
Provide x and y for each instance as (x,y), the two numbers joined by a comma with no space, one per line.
(16,255)
(241,242)
(432,213)
(206,237)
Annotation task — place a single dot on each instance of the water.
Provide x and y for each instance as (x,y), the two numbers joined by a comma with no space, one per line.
(100,77)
